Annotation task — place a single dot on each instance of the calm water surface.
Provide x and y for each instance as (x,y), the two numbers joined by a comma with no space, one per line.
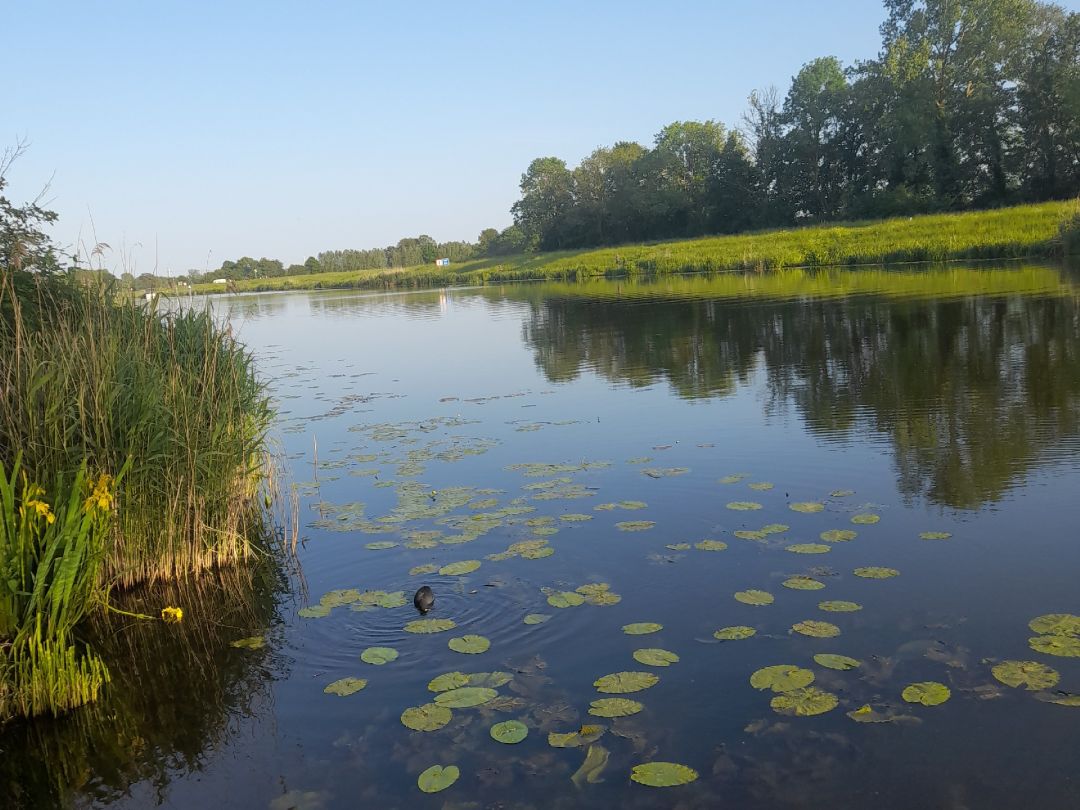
(942,401)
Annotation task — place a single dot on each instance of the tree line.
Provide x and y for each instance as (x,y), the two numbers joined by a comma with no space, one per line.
(968,104)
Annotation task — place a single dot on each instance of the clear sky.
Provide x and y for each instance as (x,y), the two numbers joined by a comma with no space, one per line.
(197,132)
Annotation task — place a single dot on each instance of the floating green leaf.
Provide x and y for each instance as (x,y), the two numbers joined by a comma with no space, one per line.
(837,662)
(806,507)
(1056,624)
(678,546)
(804,702)
(710,545)
(342,596)
(781,678)
(665,472)
(492,680)
(379,655)
(876,572)
(735,633)
(1064,646)
(761,486)
(663,774)
(313,611)
(733,479)
(345,686)
(839,606)
(816,629)
(614,707)
(635,525)
(575,518)
(437,778)
(596,760)
(469,644)
(928,693)
(393,599)
(935,535)
(429,717)
(565,599)
(642,628)
(430,626)
(809,548)
(1030,674)
(755,597)
(448,681)
(865,519)
(249,643)
(655,657)
(841,493)
(803,583)
(621,683)
(536,618)
(750,534)
(430,568)
(838,535)
(380,545)
(465,697)
(744,506)
(775,528)
(574,739)
(509,732)
(460,568)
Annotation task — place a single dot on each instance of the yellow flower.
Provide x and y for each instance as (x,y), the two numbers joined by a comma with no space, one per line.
(172,615)
(40,507)
(102,497)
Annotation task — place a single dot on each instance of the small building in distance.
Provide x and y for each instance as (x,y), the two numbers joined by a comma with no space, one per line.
(442,262)
(221,281)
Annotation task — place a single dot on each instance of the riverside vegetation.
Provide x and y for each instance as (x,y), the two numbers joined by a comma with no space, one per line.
(131,453)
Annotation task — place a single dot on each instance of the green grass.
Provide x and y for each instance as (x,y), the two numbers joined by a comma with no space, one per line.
(1025,231)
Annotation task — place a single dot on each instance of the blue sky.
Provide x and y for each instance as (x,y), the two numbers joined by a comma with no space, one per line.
(185,133)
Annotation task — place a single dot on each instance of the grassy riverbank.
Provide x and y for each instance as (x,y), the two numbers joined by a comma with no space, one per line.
(1025,231)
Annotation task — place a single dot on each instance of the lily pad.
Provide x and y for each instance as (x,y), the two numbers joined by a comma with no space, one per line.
(342,596)
(839,606)
(841,493)
(536,618)
(733,479)
(596,759)
(380,545)
(430,625)
(586,735)
(1030,674)
(621,683)
(465,697)
(865,519)
(816,629)
(313,611)
(429,717)
(809,548)
(448,681)
(614,707)
(642,628)
(565,599)
(509,732)
(744,506)
(935,535)
(379,655)
(750,534)
(575,518)
(837,662)
(734,633)
(710,545)
(655,657)
(249,643)
(803,583)
(437,778)
(460,568)
(469,644)
(876,572)
(806,702)
(759,598)
(635,525)
(678,546)
(1056,624)
(1064,646)
(775,528)
(345,686)
(492,680)
(838,535)
(928,693)
(761,486)
(781,678)
(807,507)
(429,568)
(663,774)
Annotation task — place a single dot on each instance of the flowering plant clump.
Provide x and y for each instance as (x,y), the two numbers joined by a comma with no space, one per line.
(32,495)
(172,615)
(101,497)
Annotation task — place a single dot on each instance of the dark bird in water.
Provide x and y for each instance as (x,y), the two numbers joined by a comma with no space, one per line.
(424,599)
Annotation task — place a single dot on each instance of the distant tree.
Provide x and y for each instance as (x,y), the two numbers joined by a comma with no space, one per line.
(547,196)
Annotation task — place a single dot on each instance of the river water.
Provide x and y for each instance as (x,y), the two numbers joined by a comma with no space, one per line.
(613,429)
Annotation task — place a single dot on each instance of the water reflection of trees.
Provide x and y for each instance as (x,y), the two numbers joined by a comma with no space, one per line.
(971,391)
(175,694)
